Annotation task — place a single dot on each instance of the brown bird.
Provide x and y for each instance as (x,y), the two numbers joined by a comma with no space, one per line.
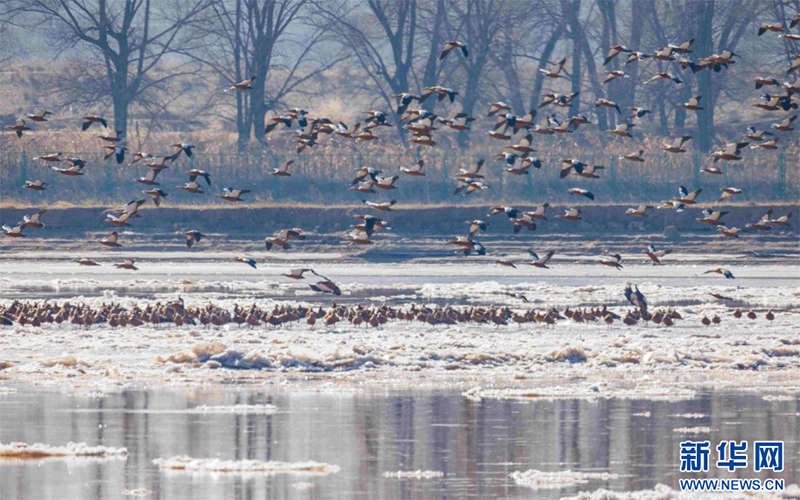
(114,136)
(655,255)
(727,192)
(452,44)
(149,178)
(773,27)
(729,232)
(232,195)
(281,238)
(622,130)
(686,197)
(192,237)
(693,104)
(524,146)
(614,51)
(282,170)
(785,125)
(720,270)
(111,240)
(782,221)
(34,220)
(636,156)
(19,128)
(35,185)
(712,170)
(385,206)
(415,170)
(68,171)
(731,152)
(556,70)
(540,262)
(762,81)
(763,223)
(128,264)
(614,261)
(297,274)
(613,75)
(640,211)
(773,144)
(116,151)
(496,107)
(571,214)
(89,120)
(720,297)
(157,195)
(40,116)
(471,172)
(711,218)
(86,262)
(246,260)
(243,85)
(676,146)
(52,157)
(14,232)
(607,104)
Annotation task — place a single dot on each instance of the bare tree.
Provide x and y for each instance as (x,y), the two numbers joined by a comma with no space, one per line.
(271,40)
(130,36)
(476,22)
(381,35)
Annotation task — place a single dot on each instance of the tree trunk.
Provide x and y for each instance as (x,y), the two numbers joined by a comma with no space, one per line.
(543,61)
(119,96)
(575,34)
(121,112)
(608,40)
(704,47)
(512,78)
(431,67)
(628,98)
(597,87)
(258,108)
(468,104)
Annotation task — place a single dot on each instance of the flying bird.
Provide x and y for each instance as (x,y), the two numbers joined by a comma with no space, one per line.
(452,44)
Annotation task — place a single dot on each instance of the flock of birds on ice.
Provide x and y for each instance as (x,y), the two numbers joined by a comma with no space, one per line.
(517,157)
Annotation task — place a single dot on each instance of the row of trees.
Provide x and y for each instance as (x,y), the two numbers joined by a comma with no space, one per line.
(130,53)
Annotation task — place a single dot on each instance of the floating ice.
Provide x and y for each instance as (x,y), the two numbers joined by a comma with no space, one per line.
(303,486)
(582,392)
(693,430)
(541,480)
(237,409)
(138,492)
(215,465)
(414,474)
(25,451)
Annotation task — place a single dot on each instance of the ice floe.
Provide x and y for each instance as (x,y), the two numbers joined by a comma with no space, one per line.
(542,480)
(414,474)
(25,451)
(215,465)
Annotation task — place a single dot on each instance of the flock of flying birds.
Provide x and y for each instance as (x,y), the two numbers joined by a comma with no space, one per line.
(517,156)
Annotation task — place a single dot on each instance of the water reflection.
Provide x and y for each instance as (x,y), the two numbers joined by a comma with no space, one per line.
(475,444)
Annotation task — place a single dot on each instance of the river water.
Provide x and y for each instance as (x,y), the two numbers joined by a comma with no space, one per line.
(369,432)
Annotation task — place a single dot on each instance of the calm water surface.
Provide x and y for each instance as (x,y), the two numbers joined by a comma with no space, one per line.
(368,432)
